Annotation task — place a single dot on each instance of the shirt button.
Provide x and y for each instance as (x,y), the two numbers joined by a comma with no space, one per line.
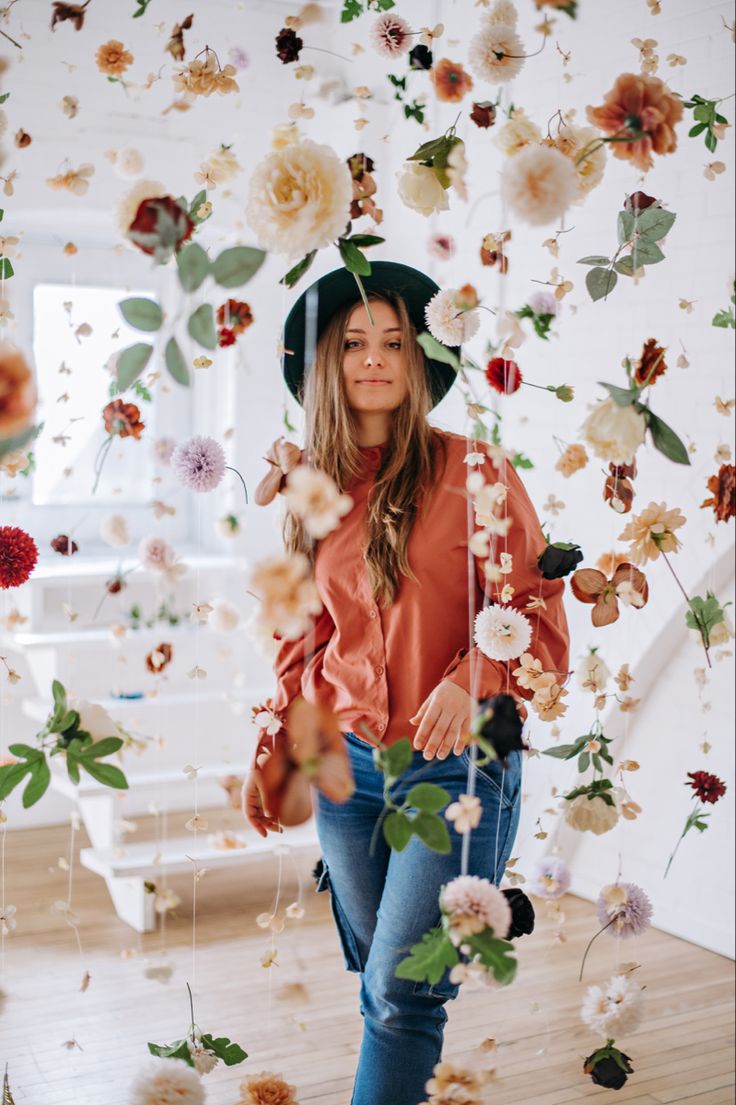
(373,614)
(381,727)
(379,670)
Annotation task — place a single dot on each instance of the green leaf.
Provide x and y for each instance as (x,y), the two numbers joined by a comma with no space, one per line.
(10,776)
(230,1053)
(353,259)
(436,351)
(26,751)
(38,783)
(69,720)
(645,252)
(174,360)
(398,830)
(6,269)
(59,695)
(561,751)
(665,439)
(625,226)
(201,327)
(199,199)
(432,831)
(351,9)
(365,240)
(429,959)
(235,267)
(496,955)
(141,313)
(105,747)
(395,759)
(583,762)
(696,130)
(193,265)
(600,282)
(704,615)
(131,363)
(177,1050)
(655,222)
(295,274)
(622,397)
(428,797)
(106,774)
(595,259)
(725,319)
(624,265)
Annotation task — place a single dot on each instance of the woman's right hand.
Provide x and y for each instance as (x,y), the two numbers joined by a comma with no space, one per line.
(254,807)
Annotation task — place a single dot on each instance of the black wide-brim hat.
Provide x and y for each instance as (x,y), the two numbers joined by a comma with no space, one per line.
(315,307)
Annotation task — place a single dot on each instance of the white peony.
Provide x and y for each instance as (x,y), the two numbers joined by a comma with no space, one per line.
(503,11)
(502,633)
(539,183)
(299,198)
(590,814)
(614,1011)
(114,531)
(166,1082)
(420,190)
(614,433)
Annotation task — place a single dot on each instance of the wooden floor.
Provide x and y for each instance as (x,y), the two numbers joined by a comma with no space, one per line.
(301,1018)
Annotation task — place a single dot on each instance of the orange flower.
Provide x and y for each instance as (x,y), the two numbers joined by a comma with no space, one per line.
(17,392)
(235,314)
(627,584)
(723,488)
(267,1088)
(112,58)
(450,81)
(123,419)
(651,364)
(160,657)
(639,113)
(282,456)
(572,460)
(608,562)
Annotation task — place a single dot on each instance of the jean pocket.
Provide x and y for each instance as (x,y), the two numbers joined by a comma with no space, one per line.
(505,783)
(348,943)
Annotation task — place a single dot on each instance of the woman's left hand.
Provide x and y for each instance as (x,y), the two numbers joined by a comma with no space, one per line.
(443,719)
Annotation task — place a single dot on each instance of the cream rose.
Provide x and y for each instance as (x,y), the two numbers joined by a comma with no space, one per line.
(420,190)
(299,198)
(590,814)
(614,433)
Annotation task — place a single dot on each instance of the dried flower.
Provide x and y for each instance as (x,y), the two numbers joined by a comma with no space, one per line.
(723,493)
(288,45)
(156,554)
(289,595)
(266,1088)
(550,879)
(204,77)
(112,58)
(465,814)
(17,393)
(483,114)
(75,181)
(314,497)
(64,545)
(590,814)
(160,226)
(517,133)
(199,463)
(390,35)
(627,584)
(651,364)
(640,113)
(450,80)
(74,13)
(652,532)
(160,657)
(572,460)
(539,184)
(501,632)
(18,556)
(122,419)
(496,52)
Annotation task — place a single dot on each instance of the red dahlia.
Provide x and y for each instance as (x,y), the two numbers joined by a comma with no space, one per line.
(708,788)
(18,556)
(503,375)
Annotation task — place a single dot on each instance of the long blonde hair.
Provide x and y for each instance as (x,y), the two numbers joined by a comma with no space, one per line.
(409,467)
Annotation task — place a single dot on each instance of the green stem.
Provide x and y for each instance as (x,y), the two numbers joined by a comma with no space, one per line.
(364,297)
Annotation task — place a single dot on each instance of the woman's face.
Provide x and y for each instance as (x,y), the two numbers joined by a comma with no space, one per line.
(373,361)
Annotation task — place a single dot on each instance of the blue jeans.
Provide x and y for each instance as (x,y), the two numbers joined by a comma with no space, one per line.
(383,901)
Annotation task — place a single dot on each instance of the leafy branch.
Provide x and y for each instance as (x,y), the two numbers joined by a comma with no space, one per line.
(638,229)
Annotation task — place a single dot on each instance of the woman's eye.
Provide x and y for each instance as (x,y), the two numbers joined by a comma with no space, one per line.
(395,344)
(351,344)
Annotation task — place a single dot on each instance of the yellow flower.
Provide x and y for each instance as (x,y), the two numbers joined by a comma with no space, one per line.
(652,532)
(112,58)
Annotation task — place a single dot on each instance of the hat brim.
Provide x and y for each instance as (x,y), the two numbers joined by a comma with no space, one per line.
(316,306)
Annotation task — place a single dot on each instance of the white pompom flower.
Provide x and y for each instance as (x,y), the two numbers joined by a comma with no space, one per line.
(447,322)
(496,53)
(166,1082)
(502,633)
(614,1010)
(539,183)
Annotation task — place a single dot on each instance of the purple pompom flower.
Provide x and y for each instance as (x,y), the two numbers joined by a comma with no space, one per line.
(551,878)
(199,463)
(624,909)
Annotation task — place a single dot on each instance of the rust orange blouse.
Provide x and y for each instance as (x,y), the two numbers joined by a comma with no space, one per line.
(374,666)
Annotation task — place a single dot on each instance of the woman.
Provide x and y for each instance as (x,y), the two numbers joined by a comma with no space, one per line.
(389,653)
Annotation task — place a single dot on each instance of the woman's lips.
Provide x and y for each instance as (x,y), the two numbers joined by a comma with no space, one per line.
(375,383)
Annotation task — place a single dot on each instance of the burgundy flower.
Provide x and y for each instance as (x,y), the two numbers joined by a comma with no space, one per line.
(708,788)
(484,114)
(225,337)
(722,487)
(64,545)
(288,45)
(504,376)
(420,57)
(18,556)
(160,227)
(74,13)
(639,201)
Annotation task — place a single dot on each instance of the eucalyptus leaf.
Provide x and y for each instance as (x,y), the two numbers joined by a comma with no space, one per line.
(174,360)
(624,265)
(625,226)
(193,265)
(141,313)
(201,327)
(234,267)
(600,282)
(131,363)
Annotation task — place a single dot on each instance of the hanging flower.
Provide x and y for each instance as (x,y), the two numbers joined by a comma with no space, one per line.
(448,320)
(503,11)
(122,419)
(651,364)
(590,814)
(451,1083)
(288,593)
(472,904)
(64,545)
(518,132)
(609,1067)
(503,376)
(156,554)
(17,393)
(441,246)
(266,1088)
(496,52)
(299,198)
(205,77)
(75,181)
(451,82)
(130,201)
(465,814)
(624,909)
(538,184)
(593,673)
(61,12)
(638,114)
(547,700)
(112,58)
(18,556)
(236,315)
(501,632)
(653,532)
(160,1081)
(614,1010)
(614,433)
(571,141)
(199,463)
(550,879)
(160,657)
(160,227)
(390,35)
(558,559)
(707,787)
(313,496)
(723,493)
(627,584)
(420,190)
(288,45)
(499,724)
(282,456)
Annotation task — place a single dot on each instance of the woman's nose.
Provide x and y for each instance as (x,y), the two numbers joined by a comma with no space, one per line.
(373,359)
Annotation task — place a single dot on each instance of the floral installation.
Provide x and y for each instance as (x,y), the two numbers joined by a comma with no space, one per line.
(627,585)
(476,918)
(364,188)
(637,118)
(17,400)
(496,53)
(199,464)
(641,226)
(501,633)
(707,789)
(159,1081)
(289,596)
(726,319)
(204,78)
(559,558)
(624,910)
(451,1083)
(352,9)
(121,420)
(428,173)
(608,1067)
(313,497)
(70,732)
(451,315)
(708,121)
(266,1088)
(199,1049)
(550,879)
(722,487)
(18,556)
